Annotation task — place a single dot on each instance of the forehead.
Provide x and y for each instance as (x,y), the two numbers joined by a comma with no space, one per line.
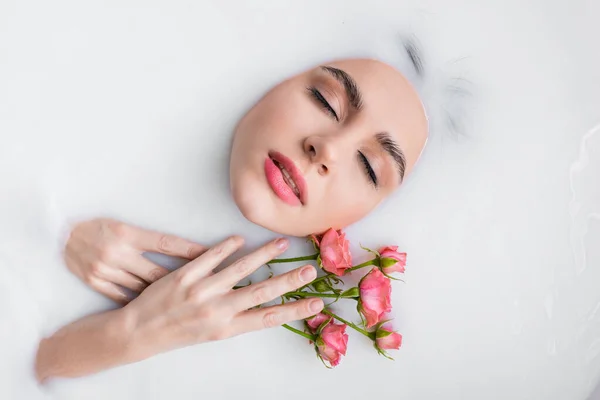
(390,103)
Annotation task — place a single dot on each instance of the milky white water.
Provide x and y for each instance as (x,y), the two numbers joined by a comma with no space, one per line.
(125,109)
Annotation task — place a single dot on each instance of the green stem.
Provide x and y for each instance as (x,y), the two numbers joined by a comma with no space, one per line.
(365,264)
(311,294)
(298,332)
(370,335)
(294,259)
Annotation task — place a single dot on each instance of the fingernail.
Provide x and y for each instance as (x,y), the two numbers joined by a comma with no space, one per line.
(307,274)
(281,243)
(316,305)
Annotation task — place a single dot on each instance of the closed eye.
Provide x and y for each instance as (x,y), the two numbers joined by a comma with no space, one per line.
(315,94)
(368,169)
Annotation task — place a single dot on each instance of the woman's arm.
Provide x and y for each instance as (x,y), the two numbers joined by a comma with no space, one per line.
(188,306)
(106,254)
(87,346)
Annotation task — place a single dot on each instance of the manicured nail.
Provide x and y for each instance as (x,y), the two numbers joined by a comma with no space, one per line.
(281,243)
(307,274)
(316,305)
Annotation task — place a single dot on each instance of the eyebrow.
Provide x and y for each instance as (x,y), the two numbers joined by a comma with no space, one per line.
(352,90)
(391,147)
(355,97)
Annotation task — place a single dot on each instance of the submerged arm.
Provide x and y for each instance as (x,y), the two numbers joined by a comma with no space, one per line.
(87,346)
(175,312)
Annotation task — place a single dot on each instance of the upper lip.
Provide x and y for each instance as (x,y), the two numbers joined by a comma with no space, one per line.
(294,173)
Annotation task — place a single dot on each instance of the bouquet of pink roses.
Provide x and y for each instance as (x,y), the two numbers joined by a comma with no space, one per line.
(327,330)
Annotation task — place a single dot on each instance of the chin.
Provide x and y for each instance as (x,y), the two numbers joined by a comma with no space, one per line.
(253,207)
(264,217)
(263,213)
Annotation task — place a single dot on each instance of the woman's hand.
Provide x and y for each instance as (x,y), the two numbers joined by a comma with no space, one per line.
(107,255)
(194,305)
(188,306)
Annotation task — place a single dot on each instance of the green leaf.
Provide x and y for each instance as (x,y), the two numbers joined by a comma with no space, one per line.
(392,278)
(323,325)
(352,292)
(309,239)
(242,286)
(362,317)
(388,262)
(369,250)
(385,354)
(335,280)
(323,361)
(322,286)
(381,323)
(381,333)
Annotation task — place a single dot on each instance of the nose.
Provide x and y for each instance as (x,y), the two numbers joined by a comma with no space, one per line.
(321,151)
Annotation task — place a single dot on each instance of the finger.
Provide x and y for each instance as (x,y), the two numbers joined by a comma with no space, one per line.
(269,317)
(203,265)
(125,279)
(73,264)
(166,244)
(263,292)
(243,267)
(140,266)
(110,290)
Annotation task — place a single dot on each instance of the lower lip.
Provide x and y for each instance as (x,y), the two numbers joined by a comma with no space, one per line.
(277,183)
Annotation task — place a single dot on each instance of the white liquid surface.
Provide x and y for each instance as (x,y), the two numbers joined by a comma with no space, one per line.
(125,109)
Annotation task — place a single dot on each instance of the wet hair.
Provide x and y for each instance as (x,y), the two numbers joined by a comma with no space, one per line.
(446,96)
(414,56)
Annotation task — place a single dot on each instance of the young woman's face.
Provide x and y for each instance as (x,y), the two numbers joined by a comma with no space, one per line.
(325,147)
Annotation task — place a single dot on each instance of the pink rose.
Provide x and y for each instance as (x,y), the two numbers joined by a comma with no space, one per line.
(315,322)
(387,339)
(334,252)
(392,260)
(375,292)
(332,343)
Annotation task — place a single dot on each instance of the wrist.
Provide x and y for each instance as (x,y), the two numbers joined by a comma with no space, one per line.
(143,339)
(134,343)
(126,336)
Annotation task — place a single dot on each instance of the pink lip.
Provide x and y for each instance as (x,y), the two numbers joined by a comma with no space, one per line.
(277,183)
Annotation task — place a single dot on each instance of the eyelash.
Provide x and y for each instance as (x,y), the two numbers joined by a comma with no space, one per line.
(315,94)
(368,169)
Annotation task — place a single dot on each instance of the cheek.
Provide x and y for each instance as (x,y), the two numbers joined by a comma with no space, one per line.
(347,201)
(284,114)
